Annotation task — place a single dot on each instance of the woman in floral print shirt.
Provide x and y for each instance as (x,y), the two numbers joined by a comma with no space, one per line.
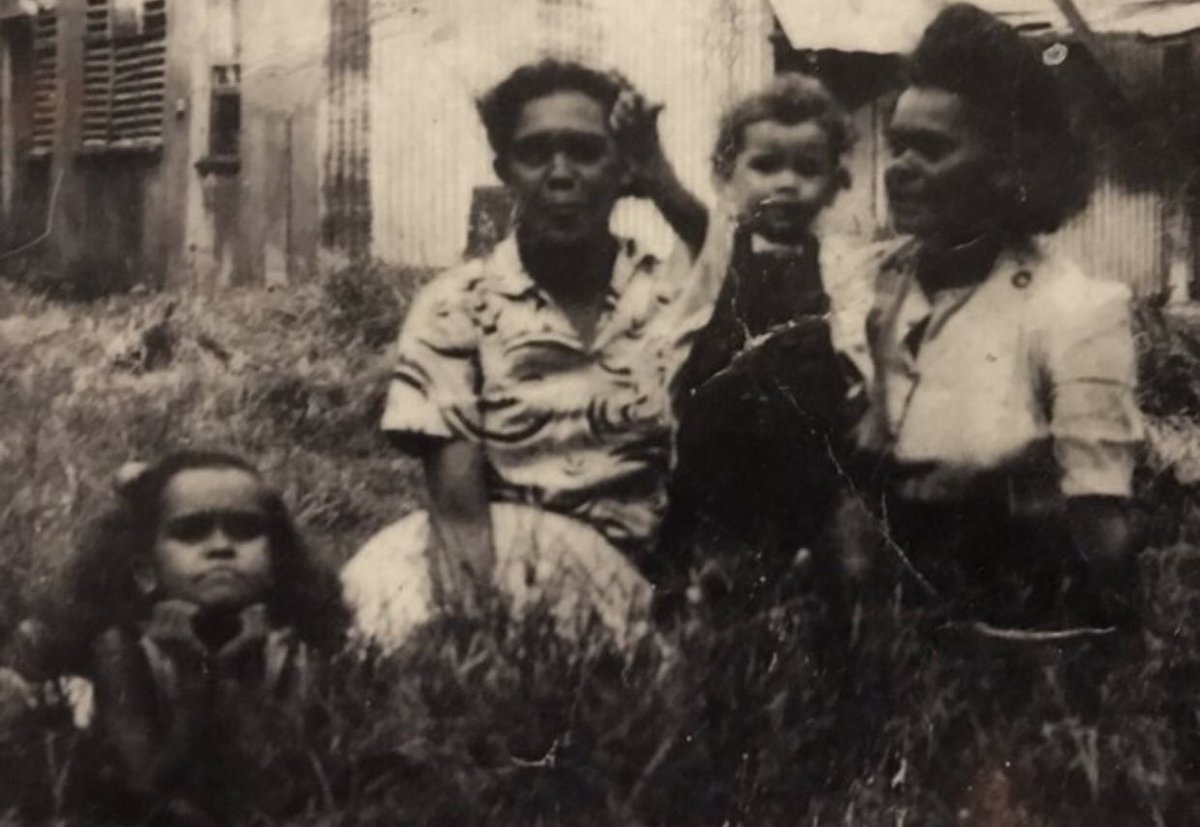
(533,383)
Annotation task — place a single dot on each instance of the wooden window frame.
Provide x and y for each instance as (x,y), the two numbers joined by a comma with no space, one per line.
(44,121)
(124,82)
(225,101)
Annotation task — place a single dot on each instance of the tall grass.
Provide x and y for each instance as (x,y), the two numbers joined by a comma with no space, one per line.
(496,721)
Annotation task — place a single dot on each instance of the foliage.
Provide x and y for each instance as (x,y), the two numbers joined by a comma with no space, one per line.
(367,300)
(774,719)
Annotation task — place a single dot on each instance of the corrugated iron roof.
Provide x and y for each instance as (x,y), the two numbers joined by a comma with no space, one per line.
(885,26)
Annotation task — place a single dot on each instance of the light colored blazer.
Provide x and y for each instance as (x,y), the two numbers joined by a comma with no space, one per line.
(1037,353)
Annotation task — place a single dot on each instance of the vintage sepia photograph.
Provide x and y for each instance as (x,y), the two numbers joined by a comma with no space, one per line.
(648,413)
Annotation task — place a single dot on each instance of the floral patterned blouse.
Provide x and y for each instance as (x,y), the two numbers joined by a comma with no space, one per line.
(579,428)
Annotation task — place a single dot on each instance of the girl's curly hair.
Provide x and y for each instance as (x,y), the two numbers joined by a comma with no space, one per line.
(1019,104)
(98,589)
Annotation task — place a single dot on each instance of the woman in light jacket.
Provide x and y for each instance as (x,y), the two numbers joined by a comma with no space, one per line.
(1003,431)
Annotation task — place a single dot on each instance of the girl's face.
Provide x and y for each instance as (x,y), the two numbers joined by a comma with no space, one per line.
(212,546)
(783,177)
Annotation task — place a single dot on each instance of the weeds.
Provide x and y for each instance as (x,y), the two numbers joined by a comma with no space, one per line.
(492,721)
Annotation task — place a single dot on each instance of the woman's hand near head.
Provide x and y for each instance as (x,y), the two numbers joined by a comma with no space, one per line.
(634,124)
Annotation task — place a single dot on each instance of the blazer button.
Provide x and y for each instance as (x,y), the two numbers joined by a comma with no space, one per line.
(1021,279)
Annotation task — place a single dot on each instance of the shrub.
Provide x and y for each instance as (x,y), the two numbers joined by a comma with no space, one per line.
(491,721)
(85,277)
(367,300)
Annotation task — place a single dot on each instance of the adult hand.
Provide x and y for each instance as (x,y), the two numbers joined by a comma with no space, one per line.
(634,123)
(179,659)
(171,628)
(250,639)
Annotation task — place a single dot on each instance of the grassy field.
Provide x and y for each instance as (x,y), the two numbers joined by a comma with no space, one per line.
(482,721)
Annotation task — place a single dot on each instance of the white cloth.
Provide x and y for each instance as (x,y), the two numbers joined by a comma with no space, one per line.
(542,558)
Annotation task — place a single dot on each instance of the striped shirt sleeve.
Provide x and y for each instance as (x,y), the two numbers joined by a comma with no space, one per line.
(434,386)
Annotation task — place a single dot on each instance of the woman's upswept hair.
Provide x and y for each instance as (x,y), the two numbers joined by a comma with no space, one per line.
(790,98)
(1019,105)
(99,586)
(500,108)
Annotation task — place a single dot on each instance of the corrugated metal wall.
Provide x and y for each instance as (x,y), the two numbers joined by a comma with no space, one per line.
(344,134)
(1121,236)
(431,58)
(1123,233)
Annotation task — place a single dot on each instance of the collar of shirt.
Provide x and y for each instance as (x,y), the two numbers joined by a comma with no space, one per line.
(920,316)
(513,281)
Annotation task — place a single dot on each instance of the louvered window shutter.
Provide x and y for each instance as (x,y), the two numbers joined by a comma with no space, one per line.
(45,82)
(124,78)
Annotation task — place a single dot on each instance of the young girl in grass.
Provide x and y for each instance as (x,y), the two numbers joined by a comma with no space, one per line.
(194,609)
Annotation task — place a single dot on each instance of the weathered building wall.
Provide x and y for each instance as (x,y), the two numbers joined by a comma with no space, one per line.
(344,133)
(253,215)
(123,152)
(28,101)
(283,72)
(190,257)
(113,209)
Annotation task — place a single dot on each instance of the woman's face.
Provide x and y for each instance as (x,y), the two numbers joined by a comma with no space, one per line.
(212,546)
(942,180)
(564,168)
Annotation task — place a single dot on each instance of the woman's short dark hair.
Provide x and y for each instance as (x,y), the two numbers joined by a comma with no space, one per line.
(790,98)
(1018,104)
(500,107)
(100,589)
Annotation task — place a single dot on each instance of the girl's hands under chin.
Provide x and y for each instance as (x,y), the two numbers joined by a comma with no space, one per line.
(172,627)
(251,636)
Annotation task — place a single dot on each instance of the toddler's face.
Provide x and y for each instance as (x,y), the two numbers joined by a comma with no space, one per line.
(783,177)
(212,547)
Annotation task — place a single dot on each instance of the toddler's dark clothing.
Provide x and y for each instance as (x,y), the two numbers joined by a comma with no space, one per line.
(760,403)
